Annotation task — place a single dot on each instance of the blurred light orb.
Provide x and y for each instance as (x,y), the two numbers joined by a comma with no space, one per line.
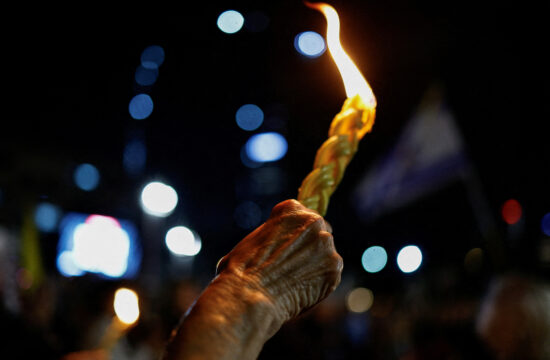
(134,157)
(158,199)
(97,244)
(181,241)
(409,258)
(374,259)
(310,44)
(146,76)
(101,245)
(152,57)
(86,177)
(359,300)
(266,147)
(126,305)
(511,211)
(46,217)
(230,21)
(256,21)
(473,261)
(140,107)
(545,224)
(66,264)
(249,117)
(248,215)
(248,162)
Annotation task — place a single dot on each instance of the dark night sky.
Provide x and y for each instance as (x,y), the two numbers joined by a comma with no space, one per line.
(73,77)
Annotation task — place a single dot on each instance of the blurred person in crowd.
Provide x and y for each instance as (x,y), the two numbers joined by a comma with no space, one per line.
(284,267)
(514,318)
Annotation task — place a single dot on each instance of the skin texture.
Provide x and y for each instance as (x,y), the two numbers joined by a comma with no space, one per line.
(284,267)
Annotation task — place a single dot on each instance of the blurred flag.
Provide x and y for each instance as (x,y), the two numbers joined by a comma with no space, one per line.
(428,155)
(32,272)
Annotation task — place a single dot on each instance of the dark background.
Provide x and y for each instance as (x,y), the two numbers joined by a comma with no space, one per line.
(71,75)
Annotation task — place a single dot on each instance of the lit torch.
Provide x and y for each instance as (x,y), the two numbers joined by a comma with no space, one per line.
(126,305)
(348,127)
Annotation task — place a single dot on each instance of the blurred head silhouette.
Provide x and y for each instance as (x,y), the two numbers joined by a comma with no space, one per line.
(514,319)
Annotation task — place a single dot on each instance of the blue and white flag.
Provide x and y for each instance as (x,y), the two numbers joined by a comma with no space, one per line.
(428,155)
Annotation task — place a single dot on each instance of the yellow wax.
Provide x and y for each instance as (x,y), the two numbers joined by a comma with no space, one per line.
(346,130)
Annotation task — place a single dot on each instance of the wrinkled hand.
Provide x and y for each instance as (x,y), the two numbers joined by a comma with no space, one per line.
(290,259)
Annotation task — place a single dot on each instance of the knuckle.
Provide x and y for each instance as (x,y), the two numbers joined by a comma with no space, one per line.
(285,206)
(335,264)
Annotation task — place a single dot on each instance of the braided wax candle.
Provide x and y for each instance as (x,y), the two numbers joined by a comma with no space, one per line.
(346,130)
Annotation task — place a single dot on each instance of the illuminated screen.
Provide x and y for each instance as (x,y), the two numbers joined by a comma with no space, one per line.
(97,244)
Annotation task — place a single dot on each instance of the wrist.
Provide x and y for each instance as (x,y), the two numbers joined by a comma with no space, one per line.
(243,304)
(230,320)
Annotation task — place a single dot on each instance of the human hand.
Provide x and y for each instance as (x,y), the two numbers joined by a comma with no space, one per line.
(290,259)
(284,267)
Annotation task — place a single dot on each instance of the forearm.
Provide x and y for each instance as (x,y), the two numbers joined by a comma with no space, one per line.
(230,320)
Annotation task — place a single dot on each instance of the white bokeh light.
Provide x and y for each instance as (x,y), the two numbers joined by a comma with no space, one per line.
(181,241)
(266,147)
(158,199)
(230,21)
(100,245)
(409,258)
(126,305)
(310,44)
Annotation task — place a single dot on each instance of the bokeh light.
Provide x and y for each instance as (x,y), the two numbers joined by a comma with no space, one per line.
(134,157)
(374,259)
(266,147)
(182,241)
(310,44)
(101,245)
(256,21)
(248,162)
(46,217)
(473,261)
(230,21)
(158,199)
(248,215)
(545,224)
(126,305)
(152,57)
(66,265)
(140,107)
(511,211)
(409,258)
(86,177)
(146,76)
(359,300)
(249,117)
(97,244)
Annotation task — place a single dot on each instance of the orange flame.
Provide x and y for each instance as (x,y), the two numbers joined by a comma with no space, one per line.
(354,82)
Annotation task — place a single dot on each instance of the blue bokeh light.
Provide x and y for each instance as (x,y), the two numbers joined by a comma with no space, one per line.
(146,76)
(86,177)
(545,224)
(266,147)
(256,21)
(310,44)
(249,117)
(230,21)
(134,157)
(46,216)
(248,215)
(141,106)
(152,57)
(374,259)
